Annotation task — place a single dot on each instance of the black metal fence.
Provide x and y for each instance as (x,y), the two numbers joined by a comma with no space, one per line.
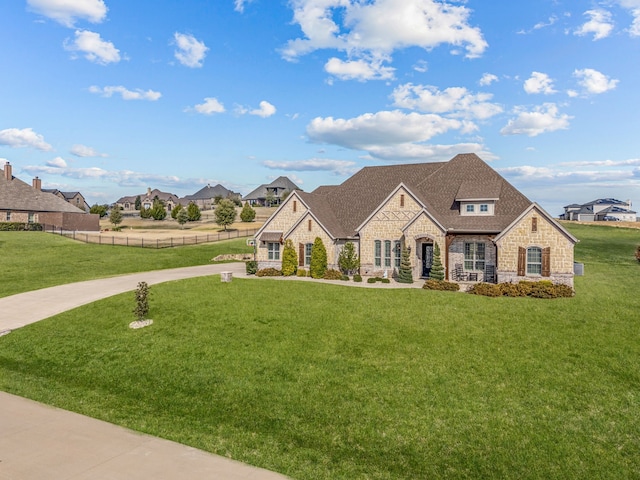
(148,242)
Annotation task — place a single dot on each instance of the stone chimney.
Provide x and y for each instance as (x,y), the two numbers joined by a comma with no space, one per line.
(8,175)
(37,183)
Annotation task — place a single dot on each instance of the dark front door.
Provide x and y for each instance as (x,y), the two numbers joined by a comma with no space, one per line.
(427,258)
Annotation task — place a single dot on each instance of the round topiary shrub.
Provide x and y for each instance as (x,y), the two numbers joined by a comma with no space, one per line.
(301,272)
(357,278)
(252,267)
(332,274)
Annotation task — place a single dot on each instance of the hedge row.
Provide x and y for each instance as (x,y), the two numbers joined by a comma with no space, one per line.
(441,285)
(542,289)
(20,227)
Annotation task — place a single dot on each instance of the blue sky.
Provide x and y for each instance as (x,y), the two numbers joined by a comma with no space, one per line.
(110,97)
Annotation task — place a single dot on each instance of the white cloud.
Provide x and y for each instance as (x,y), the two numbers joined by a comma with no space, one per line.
(634,9)
(419,152)
(190,52)
(488,79)
(455,101)
(26,137)
(603,163)
(85,152)
(359,69)
(57,162)
(265,110)
(382,128)
(240,4)
(338,167)
(543,119)
(374,30)
(67,12)
(593,81)
(210,106)
(94,48)
(126,94)
(600,24)
(539,83)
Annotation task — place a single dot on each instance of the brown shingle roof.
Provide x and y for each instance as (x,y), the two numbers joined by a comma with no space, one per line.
(19,196)
(437,185)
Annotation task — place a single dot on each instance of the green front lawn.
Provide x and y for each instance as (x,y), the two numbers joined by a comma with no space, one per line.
(33,260)
(328,382)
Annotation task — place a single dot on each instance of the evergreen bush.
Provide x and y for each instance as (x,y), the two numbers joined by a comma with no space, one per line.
(289,259)
(437,270)
(247,214)
(251,267)
(269,272)
(440,285)
(318,265)
(357,278)
(141,309)
(193,212)
(301,272)
(332,274)
(348,260)
(404,273)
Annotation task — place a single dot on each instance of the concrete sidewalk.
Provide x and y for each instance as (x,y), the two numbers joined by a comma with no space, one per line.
(19,310)
(41,442)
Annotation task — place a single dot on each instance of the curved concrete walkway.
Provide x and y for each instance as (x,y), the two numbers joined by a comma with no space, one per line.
(38,441)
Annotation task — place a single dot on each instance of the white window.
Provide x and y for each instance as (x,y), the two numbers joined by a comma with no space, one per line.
(387,253)
(397,251)
(377,254)
(8,216)
(534,261)
(307,253)
(474,256)
(471,208)
(484,208)
(274,251)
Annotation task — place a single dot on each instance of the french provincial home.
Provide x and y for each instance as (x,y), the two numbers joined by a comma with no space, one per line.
(486,230)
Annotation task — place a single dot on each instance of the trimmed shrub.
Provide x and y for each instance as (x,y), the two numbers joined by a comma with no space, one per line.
(404,273)
(247,214)
(141,309)
(301,272)
(441,285)
(372,280)
(357,278)
(385,280)
(485,289)
(332,274)
(289,259)
(345,278)
(252,267)
(269,272)
(437,270)
(318,259)
(20,227)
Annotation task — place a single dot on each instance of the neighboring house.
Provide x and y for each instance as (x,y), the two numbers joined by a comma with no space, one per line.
(205,197)
(271,194)
(128,204)
(485,228)
(602,209)
(20,202)
(74,198)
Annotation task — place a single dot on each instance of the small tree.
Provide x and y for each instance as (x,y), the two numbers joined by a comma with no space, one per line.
(318,265)
(348,260)
(176,210)
(182,217)
(193,212)
(225,213)
(116,216)
(158,211)
(216,199)
(270,199)
(99,210)
(437,270)
(404,272)
(141,309)
(138,203)
(289,259)
(248,214)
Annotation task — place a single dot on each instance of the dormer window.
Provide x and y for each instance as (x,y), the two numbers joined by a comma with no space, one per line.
(484,208)
(477,207)
(471,208)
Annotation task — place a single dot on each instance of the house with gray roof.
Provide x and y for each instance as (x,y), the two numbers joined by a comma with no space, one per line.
(24,203)
(485,228)
(602,209)
(271,194)
(205,197)
(74,198)
(128,203)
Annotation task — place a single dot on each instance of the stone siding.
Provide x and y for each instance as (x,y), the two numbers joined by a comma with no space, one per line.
(386,224)
(420,230)
(456,253)
(546,235)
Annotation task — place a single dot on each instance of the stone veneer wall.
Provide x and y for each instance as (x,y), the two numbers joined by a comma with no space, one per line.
(386,224)
(547,235)
(421,229)
(456,253)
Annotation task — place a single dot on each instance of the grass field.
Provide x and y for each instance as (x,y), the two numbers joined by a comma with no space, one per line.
(325,382)
(33,260)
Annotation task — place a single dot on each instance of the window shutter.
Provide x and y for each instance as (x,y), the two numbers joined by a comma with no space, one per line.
(522,261)
(546,262)
(301,254)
